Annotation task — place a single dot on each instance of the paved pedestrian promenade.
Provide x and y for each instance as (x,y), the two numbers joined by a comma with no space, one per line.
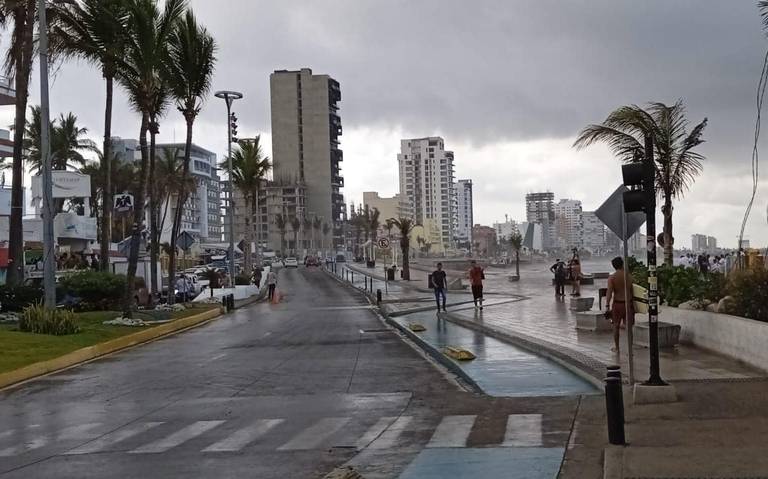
(527,310)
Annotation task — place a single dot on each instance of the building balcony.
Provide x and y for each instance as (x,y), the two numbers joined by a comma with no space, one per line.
(6,144)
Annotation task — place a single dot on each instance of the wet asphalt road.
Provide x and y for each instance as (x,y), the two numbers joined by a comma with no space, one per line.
(287,390)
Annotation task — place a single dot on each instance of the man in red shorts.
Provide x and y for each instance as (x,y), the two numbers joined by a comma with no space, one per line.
(476,277)
(618,300)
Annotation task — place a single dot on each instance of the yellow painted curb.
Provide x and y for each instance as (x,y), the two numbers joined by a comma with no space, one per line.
(459,353)
(416,327)
(88,353)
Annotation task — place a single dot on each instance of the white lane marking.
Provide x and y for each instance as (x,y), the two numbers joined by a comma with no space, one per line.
(218,356)
(389,438)
(374,431)
(242,437)
(79,431)
(177,438)
(523,430)
(31,445)
(314,435)
(452,431)
(7,433)
(112,438)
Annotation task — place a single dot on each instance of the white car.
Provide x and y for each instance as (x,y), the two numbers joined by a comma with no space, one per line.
(291,263)
(277,264)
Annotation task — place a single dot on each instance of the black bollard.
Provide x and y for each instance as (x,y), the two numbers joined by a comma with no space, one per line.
(614,408)
(378,296)
(225,303)
(231,300)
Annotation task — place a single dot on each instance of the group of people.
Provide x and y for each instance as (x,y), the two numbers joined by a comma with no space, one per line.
(564,273)
(705,263)
(438,281)
(76,261)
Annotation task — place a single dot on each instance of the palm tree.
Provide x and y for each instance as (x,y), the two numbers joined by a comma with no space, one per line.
(281,223)
(326,230)
(373,226)
(189,71)
(295,226)
(306,229)
(167,185)
(95,30)
(516,243)
(677,165)
(357,222)
(317,224)
(144,59)
(18,65)
(249,168)
(405,226)
(66,142)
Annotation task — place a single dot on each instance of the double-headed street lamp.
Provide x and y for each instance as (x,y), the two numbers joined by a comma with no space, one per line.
(229,97)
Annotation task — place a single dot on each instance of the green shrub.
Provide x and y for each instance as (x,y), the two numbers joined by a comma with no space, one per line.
(242,279)
(749,289)
(37,319)
(678,284)
(16,298)
(98,290)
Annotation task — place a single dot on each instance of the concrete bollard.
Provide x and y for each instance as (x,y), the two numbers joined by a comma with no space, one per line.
(614,406)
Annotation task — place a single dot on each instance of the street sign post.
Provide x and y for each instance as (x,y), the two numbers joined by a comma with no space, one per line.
(623,225)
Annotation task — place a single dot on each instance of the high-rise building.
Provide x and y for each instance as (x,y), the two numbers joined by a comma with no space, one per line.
(465,213)
(698,243)
(594,237)
(388,207)
(305,140)
(711,244)
(505,229)
(569,224)
(427,186)
(539,208)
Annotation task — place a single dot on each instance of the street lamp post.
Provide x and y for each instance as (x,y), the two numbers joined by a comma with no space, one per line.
(229,97)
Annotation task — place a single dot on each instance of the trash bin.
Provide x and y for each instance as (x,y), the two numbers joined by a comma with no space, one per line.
(390,274)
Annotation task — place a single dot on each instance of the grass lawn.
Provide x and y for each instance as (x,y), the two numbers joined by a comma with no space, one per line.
(19,349)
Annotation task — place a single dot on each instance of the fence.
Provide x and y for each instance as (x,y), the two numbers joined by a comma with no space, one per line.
(362,281)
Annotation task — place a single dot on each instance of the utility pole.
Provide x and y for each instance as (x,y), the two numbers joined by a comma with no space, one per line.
(229,97)
(650,233)
(49,256)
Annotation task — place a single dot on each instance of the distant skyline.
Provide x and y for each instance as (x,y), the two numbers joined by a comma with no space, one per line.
(508,85)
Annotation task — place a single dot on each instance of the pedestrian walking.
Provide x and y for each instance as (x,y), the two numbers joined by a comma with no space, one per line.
(558,269)
(476,277)
(616,298)
(181,288)
(575,277)
(440,283)
(271,284)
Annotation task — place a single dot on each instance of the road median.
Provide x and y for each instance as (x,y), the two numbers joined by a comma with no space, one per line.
(89,353)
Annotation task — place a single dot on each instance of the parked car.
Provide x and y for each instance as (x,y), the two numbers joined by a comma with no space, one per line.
(277,264)
(340,258)
(311,261)
(291,263)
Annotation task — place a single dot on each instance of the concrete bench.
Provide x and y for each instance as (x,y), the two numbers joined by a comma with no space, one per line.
(592,321)
(581,304)
(669,334)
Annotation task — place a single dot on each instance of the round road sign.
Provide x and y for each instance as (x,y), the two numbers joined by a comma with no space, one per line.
(383,243)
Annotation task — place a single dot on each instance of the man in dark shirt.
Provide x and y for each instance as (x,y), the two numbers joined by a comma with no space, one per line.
(440,282)
(558,269)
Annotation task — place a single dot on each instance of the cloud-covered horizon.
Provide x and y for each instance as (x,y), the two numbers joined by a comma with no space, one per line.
(508,84)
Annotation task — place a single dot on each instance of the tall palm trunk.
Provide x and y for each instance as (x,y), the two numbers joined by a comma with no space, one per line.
(404,247)
(138,216)
(248,237)
(24,18)
(181,198)
(517,263)
(106,166)
(154,210)
(666,211)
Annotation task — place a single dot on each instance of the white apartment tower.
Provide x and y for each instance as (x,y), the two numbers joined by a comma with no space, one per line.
(569,224)
(594,238)
(465,214)
(427,186)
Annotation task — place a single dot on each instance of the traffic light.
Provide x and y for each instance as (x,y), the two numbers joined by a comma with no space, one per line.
(634,175)
(233,127)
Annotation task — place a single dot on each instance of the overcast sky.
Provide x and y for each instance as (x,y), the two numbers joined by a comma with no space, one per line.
(508,84)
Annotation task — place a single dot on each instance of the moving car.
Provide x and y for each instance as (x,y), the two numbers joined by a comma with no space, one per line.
(291,263)
(311,261)
(277,264)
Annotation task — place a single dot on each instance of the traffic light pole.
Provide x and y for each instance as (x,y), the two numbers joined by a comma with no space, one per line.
(650,233)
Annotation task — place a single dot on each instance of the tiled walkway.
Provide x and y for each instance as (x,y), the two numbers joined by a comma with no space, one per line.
(528,309)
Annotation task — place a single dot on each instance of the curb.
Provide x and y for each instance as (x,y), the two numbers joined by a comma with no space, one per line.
(587,368)
(436,354)
(89,353)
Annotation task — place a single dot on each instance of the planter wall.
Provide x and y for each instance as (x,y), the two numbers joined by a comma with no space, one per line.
(740,338)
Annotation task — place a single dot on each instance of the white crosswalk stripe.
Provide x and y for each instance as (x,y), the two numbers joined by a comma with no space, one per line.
(523,430)
(389,438)
(108,440)
(78,432)
(452,431)
(374,431)
(314,435)
(177,438)
(242,437)
(31,445)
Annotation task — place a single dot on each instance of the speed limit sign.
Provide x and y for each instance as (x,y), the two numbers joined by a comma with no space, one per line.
(384,243)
